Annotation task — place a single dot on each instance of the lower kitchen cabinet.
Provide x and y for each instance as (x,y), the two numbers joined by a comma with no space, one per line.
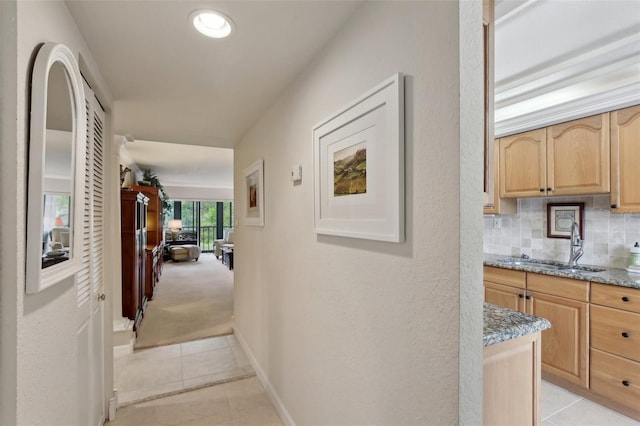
(593,345)
(565,345)
(505,296)
(615,346)
(511,372)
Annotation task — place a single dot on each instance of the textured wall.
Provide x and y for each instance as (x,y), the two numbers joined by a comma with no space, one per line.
(607,236)
(38,353)
(351,331)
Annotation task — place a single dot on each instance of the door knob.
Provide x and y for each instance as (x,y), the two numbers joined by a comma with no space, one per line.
(101,297)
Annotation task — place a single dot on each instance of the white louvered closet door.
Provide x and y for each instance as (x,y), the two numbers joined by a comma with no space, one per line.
(91,400)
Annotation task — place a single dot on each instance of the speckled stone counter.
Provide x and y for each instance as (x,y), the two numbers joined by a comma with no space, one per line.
(501,324)
(612,276)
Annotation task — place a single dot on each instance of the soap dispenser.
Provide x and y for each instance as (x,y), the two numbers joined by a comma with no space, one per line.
(634,258)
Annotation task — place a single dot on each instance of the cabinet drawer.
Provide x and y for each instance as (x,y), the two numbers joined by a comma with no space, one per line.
(505,276)
(616,297)
(616,378)
(615,331)
(557,286)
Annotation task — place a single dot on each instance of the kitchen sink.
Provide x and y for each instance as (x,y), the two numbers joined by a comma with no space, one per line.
(551,266)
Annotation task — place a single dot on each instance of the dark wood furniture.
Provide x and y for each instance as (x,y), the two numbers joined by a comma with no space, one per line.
(133,218)
(155,239)
(227,257)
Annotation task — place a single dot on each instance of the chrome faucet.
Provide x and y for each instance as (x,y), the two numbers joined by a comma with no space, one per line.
(576,250)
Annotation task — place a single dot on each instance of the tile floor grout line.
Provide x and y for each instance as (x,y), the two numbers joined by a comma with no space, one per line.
(580,398)
(188,389)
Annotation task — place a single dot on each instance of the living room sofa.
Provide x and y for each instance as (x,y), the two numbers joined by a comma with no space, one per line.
(226,241)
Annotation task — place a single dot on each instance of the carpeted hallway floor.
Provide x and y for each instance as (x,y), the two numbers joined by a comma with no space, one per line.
(193,301)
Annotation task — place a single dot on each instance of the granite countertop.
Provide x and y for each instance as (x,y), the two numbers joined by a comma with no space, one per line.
(612,276)
(502,324)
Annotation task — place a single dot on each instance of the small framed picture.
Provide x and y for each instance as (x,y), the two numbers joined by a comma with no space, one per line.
(560,219)
(254,194)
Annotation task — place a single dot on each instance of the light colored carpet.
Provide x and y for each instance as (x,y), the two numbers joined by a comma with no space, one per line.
(193,301)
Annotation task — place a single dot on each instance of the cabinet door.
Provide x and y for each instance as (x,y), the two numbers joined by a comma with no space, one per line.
(523,164)
(505,296)
(565,344)
(625,157)
(578,156)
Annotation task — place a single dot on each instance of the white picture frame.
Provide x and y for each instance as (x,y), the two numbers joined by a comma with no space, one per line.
(358,156)
(254,194)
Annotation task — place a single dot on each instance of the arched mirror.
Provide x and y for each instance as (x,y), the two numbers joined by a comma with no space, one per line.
(56,159)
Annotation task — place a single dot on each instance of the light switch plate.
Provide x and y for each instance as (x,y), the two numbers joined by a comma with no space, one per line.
(296,173)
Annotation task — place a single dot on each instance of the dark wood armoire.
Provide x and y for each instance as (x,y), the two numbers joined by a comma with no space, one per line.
(133,222)
(155,239)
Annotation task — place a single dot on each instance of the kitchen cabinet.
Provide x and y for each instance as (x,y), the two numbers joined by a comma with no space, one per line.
(511,373)
(615,346)
(506,288)
(569,158)
(563,301)
(493,204)
(565,346)
(523,167)
(578,156)
(593,345)
(625,157)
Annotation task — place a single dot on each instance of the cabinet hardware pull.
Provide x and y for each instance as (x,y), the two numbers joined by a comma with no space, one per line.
(549,189)
(520,296)
(625,299)
(528,297)
(625,334)
(625,382)
(541,189)
(614,206)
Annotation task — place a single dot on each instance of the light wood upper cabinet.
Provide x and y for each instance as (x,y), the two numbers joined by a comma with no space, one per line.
(523,164)
(625,160)
(578,156)
(493,204)
(565,159)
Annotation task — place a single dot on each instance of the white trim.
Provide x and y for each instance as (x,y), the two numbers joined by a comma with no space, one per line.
(273,395)
(618,98)
(38,279)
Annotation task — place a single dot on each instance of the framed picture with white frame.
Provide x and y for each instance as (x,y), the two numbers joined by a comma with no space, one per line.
(358,157)
(254,194)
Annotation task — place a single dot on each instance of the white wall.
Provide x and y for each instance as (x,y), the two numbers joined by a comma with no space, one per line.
(38,350)
(351,331)
(607,236)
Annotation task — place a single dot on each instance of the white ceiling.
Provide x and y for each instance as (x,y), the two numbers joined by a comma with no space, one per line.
(172,85)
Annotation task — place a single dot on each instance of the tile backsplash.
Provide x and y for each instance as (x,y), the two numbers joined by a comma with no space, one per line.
(607,236)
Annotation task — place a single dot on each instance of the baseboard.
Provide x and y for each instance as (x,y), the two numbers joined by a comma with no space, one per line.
(123,350)
(273,395)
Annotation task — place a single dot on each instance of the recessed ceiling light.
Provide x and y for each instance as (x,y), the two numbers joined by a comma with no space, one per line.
(212,24)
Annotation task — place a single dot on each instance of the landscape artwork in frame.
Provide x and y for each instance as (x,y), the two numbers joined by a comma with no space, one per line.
(254,194)
(350,170)
(560,219)
(358,156)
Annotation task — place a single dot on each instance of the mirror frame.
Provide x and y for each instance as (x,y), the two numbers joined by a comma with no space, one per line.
(37,278)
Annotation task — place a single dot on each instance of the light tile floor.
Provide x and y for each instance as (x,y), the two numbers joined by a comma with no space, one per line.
(175,368)
(560,407)
(242,402)
(198,364)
